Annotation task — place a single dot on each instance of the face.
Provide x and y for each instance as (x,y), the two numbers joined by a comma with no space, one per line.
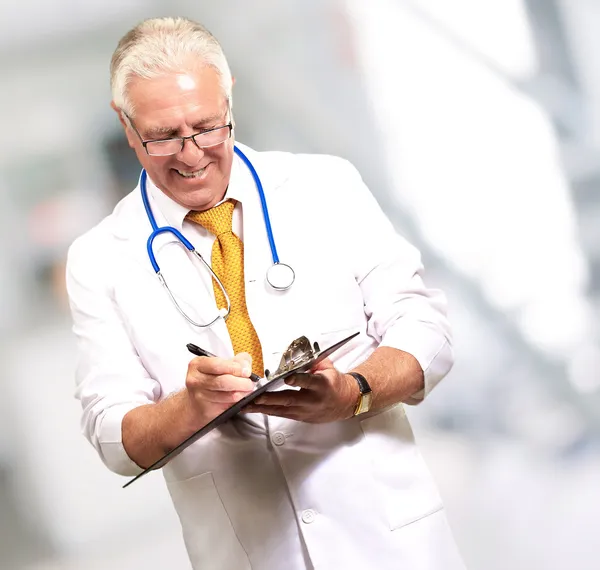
(179,105)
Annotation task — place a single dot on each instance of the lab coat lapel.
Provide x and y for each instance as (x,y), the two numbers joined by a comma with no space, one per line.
(189,282)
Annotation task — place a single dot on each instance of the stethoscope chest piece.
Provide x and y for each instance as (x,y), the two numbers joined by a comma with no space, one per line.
(280,276)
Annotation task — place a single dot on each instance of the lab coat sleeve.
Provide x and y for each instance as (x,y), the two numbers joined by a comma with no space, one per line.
(110,377)
(402,312)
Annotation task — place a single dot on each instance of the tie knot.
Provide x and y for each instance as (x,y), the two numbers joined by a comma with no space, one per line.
(217,220)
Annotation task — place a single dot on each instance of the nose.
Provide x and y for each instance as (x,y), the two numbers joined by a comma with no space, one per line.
(191,153)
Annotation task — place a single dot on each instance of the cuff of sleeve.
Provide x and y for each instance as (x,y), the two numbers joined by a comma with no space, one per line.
(110,441)
(432,351)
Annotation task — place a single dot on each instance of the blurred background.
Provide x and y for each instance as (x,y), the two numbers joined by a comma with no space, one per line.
(476,123)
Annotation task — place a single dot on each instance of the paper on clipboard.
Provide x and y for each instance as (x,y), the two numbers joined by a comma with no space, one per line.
(299,357)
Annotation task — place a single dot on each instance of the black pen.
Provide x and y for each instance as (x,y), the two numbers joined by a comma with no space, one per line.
(201,352)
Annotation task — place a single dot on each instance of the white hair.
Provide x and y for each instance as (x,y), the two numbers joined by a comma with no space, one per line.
(163,45)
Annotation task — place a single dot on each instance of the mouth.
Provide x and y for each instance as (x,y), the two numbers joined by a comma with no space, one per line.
(191,174)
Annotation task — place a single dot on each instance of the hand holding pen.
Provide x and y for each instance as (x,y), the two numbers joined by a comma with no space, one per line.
(215,384)
(202,352)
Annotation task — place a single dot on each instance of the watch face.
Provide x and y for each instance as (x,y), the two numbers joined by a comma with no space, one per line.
(364,403)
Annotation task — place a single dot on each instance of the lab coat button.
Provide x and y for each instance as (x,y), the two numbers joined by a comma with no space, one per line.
(278,438)
(308,516)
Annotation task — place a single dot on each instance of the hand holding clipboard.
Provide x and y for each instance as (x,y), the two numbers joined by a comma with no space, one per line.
(299,357)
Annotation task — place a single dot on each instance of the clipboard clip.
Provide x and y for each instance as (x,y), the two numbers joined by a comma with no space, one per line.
(299,353)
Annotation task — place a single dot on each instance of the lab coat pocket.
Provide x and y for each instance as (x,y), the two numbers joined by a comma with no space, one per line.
(209,535)
(402,480)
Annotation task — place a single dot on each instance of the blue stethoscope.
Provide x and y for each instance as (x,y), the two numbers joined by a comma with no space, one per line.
(280,276)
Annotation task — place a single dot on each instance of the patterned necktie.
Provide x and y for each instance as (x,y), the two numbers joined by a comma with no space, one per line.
(228,263)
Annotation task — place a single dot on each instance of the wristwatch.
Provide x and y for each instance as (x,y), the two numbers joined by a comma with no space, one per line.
(364,400)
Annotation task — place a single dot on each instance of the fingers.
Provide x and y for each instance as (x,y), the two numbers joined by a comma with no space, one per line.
(279,411)
(283,398)
(227,383)
(302,380)
(223,389)
(218,379)
(305,414)
(245,360)
(239,365)
(314,382)
(222,397)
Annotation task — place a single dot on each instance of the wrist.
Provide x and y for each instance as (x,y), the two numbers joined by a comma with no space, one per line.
(186,418)
(353,393)
(365,395)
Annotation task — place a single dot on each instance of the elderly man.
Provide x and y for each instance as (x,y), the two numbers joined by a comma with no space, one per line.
(323,473)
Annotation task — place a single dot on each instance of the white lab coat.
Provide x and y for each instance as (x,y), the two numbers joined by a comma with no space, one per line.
(270,493)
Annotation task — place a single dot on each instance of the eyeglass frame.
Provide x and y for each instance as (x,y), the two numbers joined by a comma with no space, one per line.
(229,126)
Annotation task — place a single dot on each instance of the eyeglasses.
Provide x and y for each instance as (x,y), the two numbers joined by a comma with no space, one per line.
(168,147)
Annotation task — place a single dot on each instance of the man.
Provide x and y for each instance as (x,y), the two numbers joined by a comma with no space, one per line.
(324,473)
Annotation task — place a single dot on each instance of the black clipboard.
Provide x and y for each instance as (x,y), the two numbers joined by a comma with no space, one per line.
(271,382)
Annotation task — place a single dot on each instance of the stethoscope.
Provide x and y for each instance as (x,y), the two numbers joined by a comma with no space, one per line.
(280,276)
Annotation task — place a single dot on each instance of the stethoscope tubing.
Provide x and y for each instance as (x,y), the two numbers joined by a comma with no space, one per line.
(263,203)
(156,231)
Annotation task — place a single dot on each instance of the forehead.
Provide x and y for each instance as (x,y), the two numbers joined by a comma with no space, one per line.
(177,97)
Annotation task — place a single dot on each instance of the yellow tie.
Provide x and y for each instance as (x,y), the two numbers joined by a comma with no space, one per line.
(228,263)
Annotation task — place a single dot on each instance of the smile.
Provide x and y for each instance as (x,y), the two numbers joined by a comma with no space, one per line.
(193,174)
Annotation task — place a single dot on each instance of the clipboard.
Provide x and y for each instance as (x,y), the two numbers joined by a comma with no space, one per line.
(299,357)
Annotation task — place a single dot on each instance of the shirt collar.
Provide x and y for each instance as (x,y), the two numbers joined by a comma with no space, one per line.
(173,213)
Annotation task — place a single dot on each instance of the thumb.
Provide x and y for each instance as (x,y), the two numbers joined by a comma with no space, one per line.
(245,360)
(325,364)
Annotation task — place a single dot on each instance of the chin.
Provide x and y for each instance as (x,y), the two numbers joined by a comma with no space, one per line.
(200,199)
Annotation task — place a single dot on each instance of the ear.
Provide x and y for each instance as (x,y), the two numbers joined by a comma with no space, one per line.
(119,114)
(131,137)
(232,80)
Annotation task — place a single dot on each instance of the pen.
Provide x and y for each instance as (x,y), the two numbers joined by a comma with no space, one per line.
(201,352)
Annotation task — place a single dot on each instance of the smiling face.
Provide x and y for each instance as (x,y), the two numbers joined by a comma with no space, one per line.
(179,105)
